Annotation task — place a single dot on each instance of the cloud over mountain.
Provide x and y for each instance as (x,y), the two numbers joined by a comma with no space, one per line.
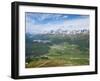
(40,22)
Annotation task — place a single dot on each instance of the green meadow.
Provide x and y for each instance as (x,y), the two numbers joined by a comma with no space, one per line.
(61,50)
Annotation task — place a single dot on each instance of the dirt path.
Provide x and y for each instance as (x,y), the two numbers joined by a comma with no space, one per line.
(43,63)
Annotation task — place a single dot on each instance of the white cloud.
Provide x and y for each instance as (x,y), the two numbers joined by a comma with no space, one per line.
(75,24)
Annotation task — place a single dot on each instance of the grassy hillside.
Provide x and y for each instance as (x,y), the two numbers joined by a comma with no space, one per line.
(62,50)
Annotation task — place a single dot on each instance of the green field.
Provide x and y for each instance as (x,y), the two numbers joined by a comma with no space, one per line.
(68,50)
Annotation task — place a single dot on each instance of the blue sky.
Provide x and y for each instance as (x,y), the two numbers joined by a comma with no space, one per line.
(40,22)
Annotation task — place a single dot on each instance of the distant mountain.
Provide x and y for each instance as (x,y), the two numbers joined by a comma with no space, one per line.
(60,31)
